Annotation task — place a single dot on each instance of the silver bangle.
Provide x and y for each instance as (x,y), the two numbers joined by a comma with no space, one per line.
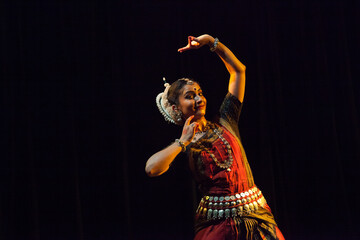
(181,144)
(214,46)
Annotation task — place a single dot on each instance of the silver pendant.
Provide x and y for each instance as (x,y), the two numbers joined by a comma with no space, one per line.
(252,208)
(215,214)
(240,210)
(256,206)
(227,213)
(209,214)
(233,212)
(221,213)
(247,208)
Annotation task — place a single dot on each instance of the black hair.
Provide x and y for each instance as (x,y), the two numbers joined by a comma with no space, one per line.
(175,90)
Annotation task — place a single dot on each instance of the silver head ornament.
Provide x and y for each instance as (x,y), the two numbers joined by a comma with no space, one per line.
(166,108)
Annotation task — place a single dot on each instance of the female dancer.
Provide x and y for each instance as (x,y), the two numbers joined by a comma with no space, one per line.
(232,207)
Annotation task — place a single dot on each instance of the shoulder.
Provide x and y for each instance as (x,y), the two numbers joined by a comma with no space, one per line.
(230,108)
(231,100)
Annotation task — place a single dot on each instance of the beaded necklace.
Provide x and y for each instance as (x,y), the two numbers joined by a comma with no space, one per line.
(227,163)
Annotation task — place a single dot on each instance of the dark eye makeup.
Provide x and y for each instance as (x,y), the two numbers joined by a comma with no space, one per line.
(191,94)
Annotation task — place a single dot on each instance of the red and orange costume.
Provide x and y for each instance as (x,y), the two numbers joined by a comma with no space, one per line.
(232,207)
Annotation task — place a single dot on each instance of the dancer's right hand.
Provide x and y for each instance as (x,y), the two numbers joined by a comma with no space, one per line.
(188,131)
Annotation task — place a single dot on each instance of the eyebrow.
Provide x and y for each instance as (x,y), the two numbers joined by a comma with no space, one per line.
(191,91)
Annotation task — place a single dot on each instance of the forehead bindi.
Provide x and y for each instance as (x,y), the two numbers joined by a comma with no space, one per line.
(191,88)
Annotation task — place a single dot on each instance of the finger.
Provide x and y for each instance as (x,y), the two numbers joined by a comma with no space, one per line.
(193,41)
(187,122)
(189,45)
(183,49)
(196,127)
(190,38)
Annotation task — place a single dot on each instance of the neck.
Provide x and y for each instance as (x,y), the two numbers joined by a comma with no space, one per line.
(202,123)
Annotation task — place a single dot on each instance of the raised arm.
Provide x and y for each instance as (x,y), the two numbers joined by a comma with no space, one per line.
(232,64)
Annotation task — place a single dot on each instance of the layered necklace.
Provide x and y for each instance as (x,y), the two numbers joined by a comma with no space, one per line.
(227,163)
(200,134)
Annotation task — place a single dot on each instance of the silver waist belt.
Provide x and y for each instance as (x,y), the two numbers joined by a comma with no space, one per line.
(217,207)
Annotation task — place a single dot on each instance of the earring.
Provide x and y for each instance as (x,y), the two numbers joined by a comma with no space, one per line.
(178,115)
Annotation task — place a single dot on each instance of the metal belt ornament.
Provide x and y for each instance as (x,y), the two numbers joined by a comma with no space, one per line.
(218,207)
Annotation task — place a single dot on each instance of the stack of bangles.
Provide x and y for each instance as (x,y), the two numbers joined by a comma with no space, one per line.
(239,204)
(181,144)
(214,46)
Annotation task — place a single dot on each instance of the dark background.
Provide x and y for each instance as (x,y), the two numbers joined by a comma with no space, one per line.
(79,120)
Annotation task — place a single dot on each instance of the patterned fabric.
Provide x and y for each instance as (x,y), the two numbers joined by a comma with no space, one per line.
(213,180)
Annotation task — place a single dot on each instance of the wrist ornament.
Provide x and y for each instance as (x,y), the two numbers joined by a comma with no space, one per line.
(181,144)
(215,44)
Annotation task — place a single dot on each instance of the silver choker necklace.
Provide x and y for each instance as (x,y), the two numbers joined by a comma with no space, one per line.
(227,163)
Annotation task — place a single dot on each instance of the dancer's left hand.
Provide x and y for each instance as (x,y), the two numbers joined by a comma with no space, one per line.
(196,42)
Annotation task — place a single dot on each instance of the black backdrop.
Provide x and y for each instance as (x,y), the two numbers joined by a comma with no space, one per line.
(78,86)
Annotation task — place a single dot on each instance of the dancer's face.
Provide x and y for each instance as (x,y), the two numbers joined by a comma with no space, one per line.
(192,101)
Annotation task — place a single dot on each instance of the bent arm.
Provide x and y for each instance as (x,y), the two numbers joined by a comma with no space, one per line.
(160,162)
(233,65)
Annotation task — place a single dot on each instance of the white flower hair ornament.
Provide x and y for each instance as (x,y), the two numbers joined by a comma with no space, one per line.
(165,107)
